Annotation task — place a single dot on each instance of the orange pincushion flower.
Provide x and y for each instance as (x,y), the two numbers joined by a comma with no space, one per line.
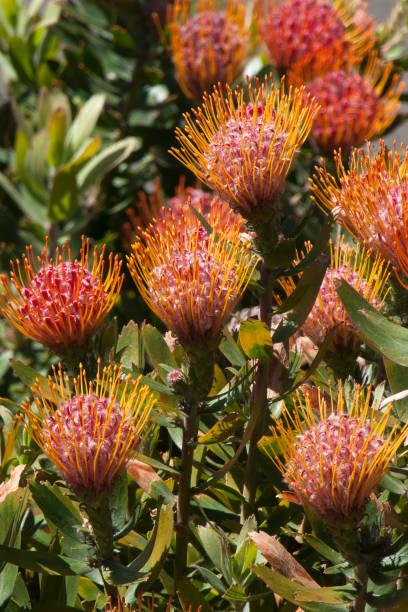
(300,30)
(190,279)
(370,200)
(152,209)
(333,460)
(367,277)
(59,302)
(90,434)
(354,107)
(243,151)
(208,45)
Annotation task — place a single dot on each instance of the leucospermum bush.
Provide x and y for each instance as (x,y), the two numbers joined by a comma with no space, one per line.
(59,302)
(332,457)
(133,476)
(209,41)
(310,28)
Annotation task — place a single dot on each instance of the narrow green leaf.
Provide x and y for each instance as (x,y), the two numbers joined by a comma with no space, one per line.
(84,154)
(301,301)
(255,339)
(211,542)
(104,161)
(390,339)
(222,429)
(57,129)
(211,578)
(43,561)
(230,349)
(327,599)
(398,379)
(30,207)
(84,123)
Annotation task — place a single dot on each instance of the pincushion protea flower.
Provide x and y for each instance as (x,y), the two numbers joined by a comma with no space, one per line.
(243,151)
(209,45)
(190,279)
(151,210)
(367,276)
(89,435)
(370,200)
(301,30)
(354,107)
(59,302)
(333,460)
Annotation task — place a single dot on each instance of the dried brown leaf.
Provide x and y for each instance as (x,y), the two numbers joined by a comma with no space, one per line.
(280,559)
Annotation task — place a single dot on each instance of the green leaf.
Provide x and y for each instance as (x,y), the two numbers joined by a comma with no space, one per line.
(211,578)
(150,560)
(211,541)
(222,429)
(235,593)
(35,176)
(301,301)
(119,502)
(283,254)
(84,123)
(130,344)
(291,590)
(390,339)
(255,339)
(107,159)
(63,198)
(122,38)
(9,511)
(189,595)
(58,510)
(158,351)
(43,561)
(398,379)
(84,154)
(57,129)
(30,207)
(20,55)
(230,349)
(29,376)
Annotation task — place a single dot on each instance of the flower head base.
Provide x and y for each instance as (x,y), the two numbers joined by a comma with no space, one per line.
(153,209)
(190,279)
(244,151)
(90,435)
(354,106)
(298,31)
(334,460)
(209,46)
(61,302)
(364,275)
(370,201)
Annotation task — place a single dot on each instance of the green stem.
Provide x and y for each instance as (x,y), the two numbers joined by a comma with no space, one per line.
(190,428)
(359,604)
(100,518)
(200,380)
(260,405)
